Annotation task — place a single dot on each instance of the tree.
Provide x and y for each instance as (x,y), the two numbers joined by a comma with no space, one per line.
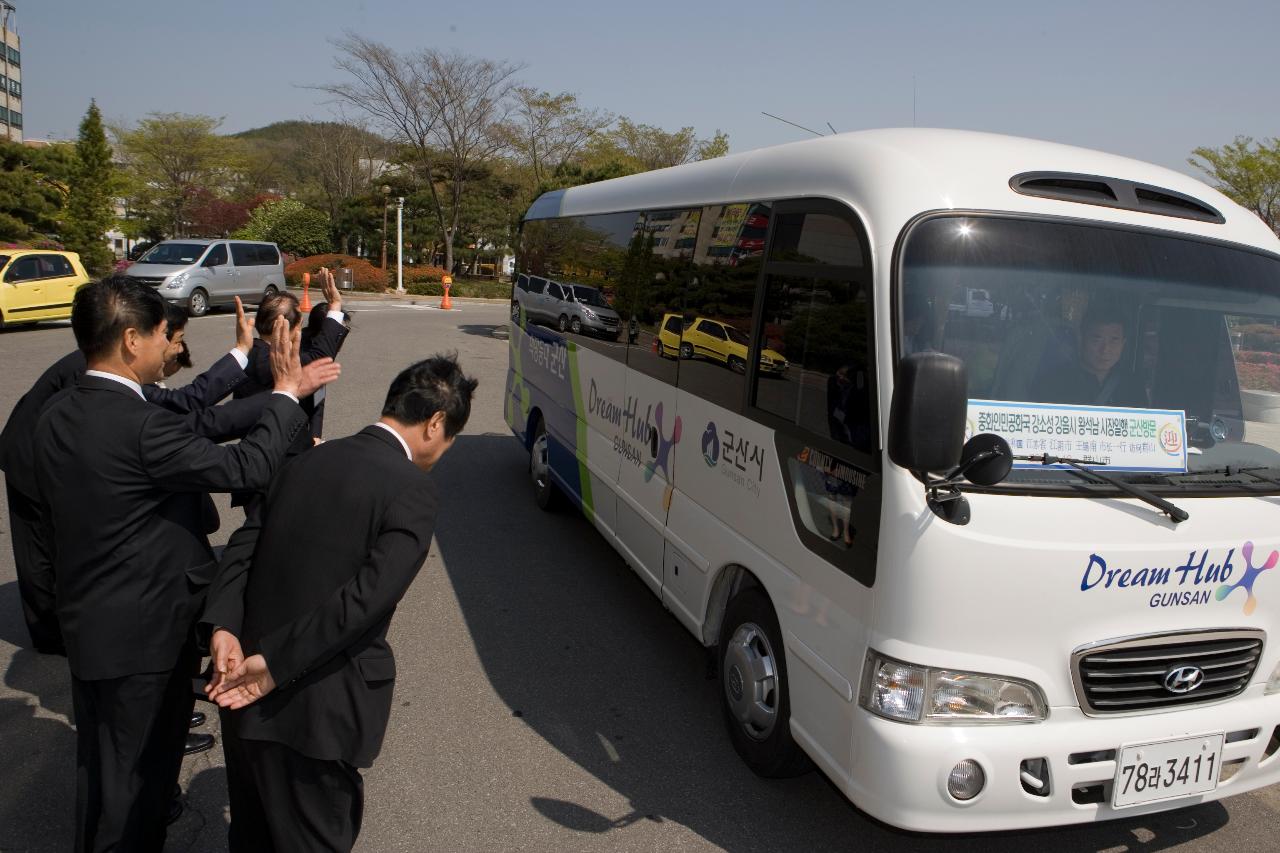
(449,109)
(1246,172)
(654,148)
(33,189)
(172,157)
(547,130)
(90,209)
(291,225)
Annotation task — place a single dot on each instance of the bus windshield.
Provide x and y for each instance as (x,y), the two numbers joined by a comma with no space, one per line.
(1050,312)
(589,296)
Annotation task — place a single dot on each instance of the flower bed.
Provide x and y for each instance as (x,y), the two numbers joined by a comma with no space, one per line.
(365,275)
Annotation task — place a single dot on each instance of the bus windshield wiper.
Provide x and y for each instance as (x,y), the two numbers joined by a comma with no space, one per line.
(1079,467)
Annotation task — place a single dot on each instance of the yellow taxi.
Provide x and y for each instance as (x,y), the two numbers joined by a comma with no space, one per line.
(714,340)
(38,284)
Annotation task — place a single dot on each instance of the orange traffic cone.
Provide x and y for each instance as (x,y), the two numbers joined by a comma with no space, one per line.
(445,303)
(305,305)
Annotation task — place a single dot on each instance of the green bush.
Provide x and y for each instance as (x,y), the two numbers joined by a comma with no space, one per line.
(291,225)
(472,289)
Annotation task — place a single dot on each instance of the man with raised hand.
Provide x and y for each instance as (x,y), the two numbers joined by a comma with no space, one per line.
(121,482)
(309,705)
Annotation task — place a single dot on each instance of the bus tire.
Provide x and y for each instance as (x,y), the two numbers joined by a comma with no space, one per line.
(737,365)
(563,323)
(754,687)
(686,350)
(545,491)
(198,303)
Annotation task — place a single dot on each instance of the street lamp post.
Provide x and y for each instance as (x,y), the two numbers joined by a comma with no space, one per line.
(400,245)
(386,191)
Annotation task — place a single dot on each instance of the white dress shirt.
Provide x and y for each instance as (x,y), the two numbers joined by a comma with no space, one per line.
(399,438)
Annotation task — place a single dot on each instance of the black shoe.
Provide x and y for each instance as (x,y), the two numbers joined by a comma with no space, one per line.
(175,810)
(198,743)
(197,719)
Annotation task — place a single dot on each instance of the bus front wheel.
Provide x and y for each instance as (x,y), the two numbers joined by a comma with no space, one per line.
(754,688)
(544,488)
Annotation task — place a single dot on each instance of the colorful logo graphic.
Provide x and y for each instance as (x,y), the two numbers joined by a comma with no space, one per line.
(711,445)
(1250,576)
(662,453)
(1171,439)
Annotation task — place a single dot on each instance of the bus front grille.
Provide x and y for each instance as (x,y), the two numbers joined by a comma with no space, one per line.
(1164,671)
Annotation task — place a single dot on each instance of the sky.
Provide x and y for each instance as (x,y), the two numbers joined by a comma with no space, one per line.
(1145,79)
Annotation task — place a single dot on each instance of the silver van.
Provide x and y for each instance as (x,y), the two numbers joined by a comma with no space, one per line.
(200,273)
(569,307)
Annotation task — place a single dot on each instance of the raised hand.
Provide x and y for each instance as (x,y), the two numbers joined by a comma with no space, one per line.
(244,329)
(331,293)
(317,374)
(245,684)
(286,367)
(224,648)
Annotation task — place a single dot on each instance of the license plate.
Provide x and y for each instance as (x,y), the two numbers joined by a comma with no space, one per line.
(1166,770)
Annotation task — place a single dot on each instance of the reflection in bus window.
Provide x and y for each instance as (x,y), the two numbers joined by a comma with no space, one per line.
(822,328)
(816,238)
(652,303)
(715,341)
(584,261)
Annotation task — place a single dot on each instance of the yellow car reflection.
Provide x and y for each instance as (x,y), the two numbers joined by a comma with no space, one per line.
(714,340)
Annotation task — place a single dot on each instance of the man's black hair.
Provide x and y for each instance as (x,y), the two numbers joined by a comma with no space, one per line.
(435,384)
(184,357)
(177,318)
(276,305)
(1104,315)
(103,310)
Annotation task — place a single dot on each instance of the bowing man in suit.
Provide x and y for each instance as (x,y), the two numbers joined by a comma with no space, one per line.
(35,572)
(121,482)
(309,705)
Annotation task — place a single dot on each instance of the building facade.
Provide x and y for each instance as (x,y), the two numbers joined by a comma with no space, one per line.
(10,75)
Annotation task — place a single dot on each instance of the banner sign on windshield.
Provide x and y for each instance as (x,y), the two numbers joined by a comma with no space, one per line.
(1105,437)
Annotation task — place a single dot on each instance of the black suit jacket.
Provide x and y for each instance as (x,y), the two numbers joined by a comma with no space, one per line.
(16,442)
(123,483)
(323,344)
(317,605)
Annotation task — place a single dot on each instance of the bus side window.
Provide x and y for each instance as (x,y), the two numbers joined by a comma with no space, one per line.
(658,273)
(715,349)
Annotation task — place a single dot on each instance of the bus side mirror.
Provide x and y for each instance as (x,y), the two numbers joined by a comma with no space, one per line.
(927,416)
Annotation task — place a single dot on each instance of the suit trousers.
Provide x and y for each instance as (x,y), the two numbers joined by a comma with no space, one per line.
(130,733)
(35,573)
(285,802)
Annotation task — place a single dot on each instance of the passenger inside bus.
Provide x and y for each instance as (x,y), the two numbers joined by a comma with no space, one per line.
(1099,374)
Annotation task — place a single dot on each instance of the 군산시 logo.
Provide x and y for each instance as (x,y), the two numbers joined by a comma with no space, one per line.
(711,445)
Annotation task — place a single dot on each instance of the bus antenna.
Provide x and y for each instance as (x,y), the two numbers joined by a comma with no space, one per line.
(792,123)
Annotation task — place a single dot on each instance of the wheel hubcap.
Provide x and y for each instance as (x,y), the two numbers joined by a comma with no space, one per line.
(538,465)
(751,681)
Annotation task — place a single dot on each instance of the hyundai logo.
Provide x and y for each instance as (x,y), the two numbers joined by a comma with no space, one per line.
(1183,679)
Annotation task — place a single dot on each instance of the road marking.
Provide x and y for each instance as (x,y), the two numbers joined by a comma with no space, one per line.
(609,749)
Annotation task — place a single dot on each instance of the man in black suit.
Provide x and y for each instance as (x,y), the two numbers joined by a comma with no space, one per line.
(35,572)
(309,704)
(121,482)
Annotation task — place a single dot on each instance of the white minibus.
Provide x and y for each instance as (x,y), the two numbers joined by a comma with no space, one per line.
(961,451)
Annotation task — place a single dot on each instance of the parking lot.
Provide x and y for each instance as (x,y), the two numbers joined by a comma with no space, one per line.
(544,700)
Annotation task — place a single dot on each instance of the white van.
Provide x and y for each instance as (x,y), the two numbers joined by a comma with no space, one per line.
(198,274)
(1073,617)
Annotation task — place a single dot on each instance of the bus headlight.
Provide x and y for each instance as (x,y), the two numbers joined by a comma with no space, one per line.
(917,694)
(1273,683)
(176,282)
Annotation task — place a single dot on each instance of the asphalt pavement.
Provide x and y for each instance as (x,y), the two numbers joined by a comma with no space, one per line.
(544,699)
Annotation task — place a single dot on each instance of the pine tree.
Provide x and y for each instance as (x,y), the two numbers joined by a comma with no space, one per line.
(90,212)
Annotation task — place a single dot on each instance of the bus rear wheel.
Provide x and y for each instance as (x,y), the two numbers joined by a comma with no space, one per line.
(754,687)
(545,491)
